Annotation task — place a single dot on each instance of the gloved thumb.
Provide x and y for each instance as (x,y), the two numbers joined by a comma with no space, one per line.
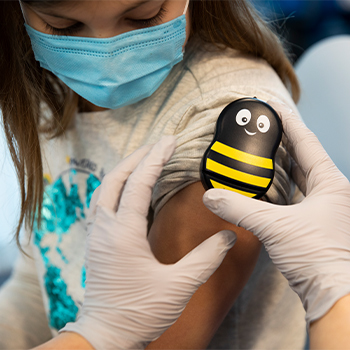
(239,210)
(201,262)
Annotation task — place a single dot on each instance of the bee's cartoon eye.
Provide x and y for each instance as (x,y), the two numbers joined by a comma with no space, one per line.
(263,123)
(243,117)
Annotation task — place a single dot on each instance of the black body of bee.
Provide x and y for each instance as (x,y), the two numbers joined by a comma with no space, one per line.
(241,155)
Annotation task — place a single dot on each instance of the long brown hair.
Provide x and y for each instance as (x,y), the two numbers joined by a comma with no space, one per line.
(25,87)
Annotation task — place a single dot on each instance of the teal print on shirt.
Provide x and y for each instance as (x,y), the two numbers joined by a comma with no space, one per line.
(62,306)
(83,276)
(61,209)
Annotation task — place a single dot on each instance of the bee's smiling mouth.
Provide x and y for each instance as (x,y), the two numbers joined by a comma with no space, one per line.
(249,133)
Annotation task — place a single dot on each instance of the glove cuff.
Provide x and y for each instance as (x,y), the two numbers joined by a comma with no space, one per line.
(101,337)
(320,292)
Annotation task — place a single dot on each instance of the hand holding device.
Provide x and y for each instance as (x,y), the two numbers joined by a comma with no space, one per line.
(131,298)
(309,242)
(241,157)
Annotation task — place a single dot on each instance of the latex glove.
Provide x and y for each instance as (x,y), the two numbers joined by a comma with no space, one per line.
(309,242)
(131,298)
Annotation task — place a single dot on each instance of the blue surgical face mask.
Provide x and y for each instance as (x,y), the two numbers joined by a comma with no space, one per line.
(113,72)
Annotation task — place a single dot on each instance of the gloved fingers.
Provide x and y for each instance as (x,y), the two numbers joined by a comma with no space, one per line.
(138,189)
(298,177)
(201,262)
(238,209)
(294,129)
(304,146)
(92,206)
(113,182)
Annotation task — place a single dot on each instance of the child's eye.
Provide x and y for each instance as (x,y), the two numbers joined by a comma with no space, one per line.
(149,22)
(64,31)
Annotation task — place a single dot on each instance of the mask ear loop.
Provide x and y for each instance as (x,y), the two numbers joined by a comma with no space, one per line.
(24,17)
(185,10)
(186,7)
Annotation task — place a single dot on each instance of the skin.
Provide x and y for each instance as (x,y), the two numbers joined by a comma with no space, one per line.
(177,229)
(184,221)
(102,19)
(64,341)
(332,330)
(175,232)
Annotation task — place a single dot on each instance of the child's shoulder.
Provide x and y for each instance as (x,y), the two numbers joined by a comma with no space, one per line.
(206,61)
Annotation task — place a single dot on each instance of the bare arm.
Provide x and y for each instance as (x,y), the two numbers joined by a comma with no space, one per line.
(329,332)
(332,330)
(66,340)
(115,313)
(183,223)
(313,255)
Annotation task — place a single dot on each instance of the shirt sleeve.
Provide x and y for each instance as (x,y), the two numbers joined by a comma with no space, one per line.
(196,129)
(23,322)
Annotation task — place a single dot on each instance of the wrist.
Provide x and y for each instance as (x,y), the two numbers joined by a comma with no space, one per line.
(103,336)
(321,288)
(66,340)
(332,330)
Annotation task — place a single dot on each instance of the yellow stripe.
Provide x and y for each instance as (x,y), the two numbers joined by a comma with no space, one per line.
(242,156)
(219,185)
(237,175)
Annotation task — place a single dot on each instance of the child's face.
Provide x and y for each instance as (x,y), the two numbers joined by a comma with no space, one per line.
(99,18)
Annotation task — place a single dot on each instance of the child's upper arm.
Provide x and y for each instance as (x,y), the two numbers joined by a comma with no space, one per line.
(181,224)
(181,219)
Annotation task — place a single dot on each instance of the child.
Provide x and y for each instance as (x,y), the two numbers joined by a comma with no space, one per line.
(111,76)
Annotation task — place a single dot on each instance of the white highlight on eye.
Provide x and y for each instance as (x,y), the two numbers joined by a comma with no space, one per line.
(263,123)
(243,117)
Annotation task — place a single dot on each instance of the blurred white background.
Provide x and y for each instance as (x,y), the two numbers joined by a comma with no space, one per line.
(9,207)
(324,74)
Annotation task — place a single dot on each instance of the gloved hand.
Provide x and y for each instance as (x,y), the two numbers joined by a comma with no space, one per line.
(309,242)
(131,298)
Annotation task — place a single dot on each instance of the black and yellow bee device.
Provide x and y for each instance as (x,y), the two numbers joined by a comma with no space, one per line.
(241,155)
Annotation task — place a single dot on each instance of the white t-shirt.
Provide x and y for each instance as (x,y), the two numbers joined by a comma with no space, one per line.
(267,314)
